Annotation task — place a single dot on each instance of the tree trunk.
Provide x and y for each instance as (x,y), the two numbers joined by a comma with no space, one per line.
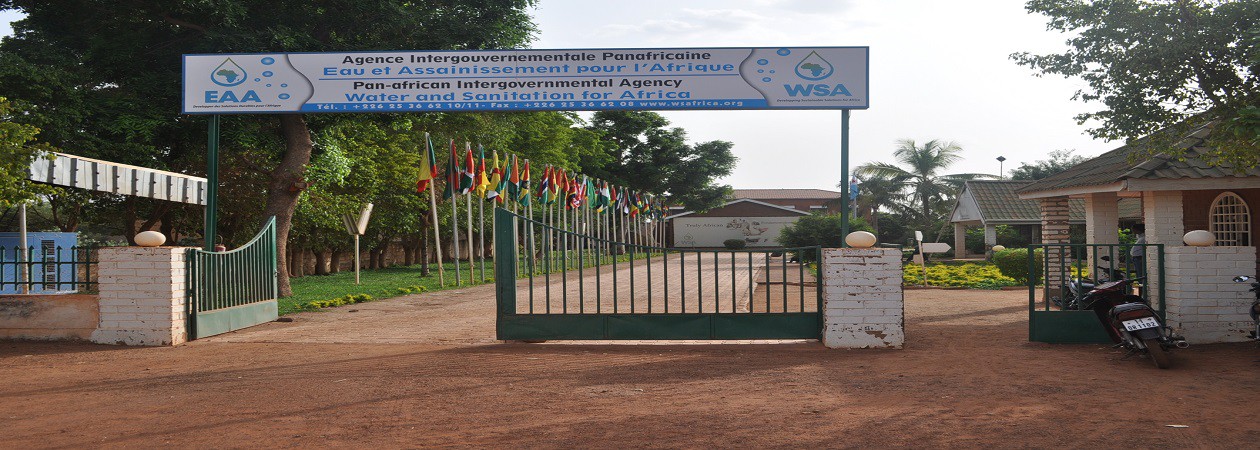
(286,184)
(321,262)
(334,264)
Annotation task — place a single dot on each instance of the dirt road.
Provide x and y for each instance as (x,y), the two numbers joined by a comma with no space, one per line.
(967,378)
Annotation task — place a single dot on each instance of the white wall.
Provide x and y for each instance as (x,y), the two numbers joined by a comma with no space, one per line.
(711,231)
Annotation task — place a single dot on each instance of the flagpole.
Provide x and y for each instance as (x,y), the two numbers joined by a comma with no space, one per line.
(468,201)
(437,233)
(481,236)
(452,181)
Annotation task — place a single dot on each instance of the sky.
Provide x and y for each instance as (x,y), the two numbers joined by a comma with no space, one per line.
(939,70)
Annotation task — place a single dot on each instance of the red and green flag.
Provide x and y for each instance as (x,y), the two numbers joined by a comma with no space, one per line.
(467,178)
(452,174)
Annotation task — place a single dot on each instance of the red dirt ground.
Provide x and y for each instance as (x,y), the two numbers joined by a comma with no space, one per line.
(967,378)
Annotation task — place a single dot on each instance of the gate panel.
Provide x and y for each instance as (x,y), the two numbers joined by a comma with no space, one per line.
(553,284)
(1058,271)
(235,289)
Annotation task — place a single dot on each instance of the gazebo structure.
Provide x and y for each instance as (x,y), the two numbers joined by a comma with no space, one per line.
(990,203)
(1178,194)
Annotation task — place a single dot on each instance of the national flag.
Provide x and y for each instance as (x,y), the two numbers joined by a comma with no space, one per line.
(483,179)
(452,174)
(853,189)
(505,175)
(602,198)
(635,201)
(428,166)
(623,199)
(588,190)
(468,176)
(524,196)
(496,178)
(544,187)
(514,181)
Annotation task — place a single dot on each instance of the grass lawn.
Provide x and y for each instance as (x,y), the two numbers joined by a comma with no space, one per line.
(379,283)
(399,280)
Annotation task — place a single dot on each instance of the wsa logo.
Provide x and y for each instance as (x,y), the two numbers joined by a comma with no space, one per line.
(815,68)
(230,74)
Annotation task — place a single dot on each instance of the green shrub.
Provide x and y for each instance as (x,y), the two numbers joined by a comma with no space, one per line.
(1014,263)
(818,229)
(969,275)
(734,244)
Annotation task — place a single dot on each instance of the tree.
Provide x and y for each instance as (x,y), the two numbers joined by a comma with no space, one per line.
(121,68)
(1172,64)
(877,192)
(643,154)
(1059,161)
(818,229)
(17,150)
(927,189)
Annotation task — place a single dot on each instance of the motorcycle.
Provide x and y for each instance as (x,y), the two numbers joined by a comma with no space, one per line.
(1077,287)
(1130,321)
(1255,306)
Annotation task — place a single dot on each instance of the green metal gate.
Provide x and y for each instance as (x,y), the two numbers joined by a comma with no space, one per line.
(234,289)
(1055,269)
(553,284)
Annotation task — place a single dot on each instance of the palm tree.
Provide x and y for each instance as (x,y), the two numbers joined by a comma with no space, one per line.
(926,188)
(877,192)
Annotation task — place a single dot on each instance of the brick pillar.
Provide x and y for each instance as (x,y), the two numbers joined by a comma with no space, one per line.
(1054,230)
(863,306)
(1202,301)
(960,240)
(1102,224)
(990,237)
(141,296)
(1162,213)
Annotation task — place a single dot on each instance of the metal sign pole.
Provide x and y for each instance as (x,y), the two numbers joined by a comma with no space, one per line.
(24,255)
(212,182)
(844,177)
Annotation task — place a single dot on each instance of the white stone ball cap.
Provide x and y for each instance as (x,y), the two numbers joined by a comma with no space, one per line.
(860,239)
(998,248)
(150,239)
(1199,238)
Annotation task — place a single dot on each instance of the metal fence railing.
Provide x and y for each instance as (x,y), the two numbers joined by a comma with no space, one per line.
(48,269)
(558,284)
(245,275)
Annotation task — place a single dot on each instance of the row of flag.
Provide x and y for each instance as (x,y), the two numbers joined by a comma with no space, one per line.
(509,180)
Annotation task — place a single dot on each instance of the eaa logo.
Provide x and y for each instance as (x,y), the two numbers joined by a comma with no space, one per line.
(815,68)
(230,74)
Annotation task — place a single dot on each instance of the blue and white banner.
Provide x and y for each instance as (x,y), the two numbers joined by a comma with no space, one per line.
(516,80)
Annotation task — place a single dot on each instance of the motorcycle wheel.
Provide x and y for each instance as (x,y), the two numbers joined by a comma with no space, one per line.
(1157,353)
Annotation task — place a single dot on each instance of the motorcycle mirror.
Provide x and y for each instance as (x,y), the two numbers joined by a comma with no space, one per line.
(1241,278)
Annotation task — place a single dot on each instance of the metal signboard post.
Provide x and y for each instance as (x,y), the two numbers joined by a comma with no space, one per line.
(356,226)
(526,80)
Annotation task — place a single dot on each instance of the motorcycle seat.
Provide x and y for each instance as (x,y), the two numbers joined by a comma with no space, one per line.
(1124,307)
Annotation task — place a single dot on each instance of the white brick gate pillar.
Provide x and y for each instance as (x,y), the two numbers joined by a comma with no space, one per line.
(863,305)
(142,296)
(1202,301)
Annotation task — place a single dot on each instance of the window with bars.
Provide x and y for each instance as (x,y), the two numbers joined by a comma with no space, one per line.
(1230,220)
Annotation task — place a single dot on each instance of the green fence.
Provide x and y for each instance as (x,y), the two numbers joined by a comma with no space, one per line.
(233,289)
(557,284)
(1062,272)
(48,269)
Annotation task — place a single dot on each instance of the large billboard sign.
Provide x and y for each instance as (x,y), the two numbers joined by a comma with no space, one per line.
(520,80)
